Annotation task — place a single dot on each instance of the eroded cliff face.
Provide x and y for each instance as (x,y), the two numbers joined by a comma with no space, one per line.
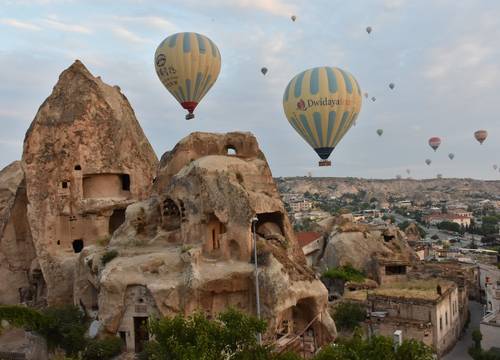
(189,247)
(18,265)
(85,159)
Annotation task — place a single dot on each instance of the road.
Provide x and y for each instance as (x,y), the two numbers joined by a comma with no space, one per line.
(459,352)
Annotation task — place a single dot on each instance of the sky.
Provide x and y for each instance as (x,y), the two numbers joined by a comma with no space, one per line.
(442,55)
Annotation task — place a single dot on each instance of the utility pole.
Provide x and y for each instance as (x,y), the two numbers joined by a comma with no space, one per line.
(257,294)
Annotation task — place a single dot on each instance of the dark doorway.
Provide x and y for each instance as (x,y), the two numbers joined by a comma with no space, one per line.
(395,270)
(141,333)
(115,220)
(77,245)
(125,182)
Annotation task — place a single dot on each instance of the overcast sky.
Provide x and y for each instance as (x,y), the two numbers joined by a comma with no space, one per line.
(443,56)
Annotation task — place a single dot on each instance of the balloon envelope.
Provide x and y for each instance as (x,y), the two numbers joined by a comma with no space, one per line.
(380,132)
(369,29)
(263,70)
(366,95)
(188,65)
(374,98)
(495,166)
(391,86)
(294,17)
(434,142)
(451,156)
(428,161)
(481,135)
(322,104)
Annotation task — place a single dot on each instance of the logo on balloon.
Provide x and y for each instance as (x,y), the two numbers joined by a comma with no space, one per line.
(161,60)
(301,105)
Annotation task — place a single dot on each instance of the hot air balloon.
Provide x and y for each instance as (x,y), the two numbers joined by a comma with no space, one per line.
(481,135)
(380,132)
(374,98)
(434,142)
(188,65)
(408,171)
(263,70)
(321,104)
(391,86)
(495,166)
(451,156)
(428,161)
(293,17)
(366,95)
(369,29)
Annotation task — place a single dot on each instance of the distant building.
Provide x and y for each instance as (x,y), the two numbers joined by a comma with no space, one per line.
(403,204)
(462,220)
(489,283)
(490,329)
(425,310)
(299,206)
(311,243)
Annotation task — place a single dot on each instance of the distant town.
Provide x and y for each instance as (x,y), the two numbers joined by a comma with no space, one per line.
(428,286)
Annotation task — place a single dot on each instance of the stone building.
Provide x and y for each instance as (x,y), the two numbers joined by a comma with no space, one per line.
(426,310)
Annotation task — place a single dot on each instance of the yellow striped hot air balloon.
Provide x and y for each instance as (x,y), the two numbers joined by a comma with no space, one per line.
(322,104)
(188,65)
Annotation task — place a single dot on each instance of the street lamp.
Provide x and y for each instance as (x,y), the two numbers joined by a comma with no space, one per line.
(257,295)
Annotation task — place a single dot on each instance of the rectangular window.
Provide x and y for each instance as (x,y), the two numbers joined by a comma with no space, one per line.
(440,323)
(446,317)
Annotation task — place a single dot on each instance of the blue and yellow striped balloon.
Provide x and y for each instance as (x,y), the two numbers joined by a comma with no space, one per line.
(322,104)
(188,65)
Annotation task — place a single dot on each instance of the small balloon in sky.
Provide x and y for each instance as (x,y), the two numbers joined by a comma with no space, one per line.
(380,132)
(263,70)
(495,166)
(391,86)
(374,98)
(434,142)
(369,29)
(451,156)
(481,135)
(293,17)
(428,161)
(366,95)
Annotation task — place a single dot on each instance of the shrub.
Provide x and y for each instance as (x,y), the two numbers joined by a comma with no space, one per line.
(108,256)
(103,349)
(346,273)
(348,315)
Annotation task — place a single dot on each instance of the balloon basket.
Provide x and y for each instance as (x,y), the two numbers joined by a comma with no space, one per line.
(189,116)
(325,163)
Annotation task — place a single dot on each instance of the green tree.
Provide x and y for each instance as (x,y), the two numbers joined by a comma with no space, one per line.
(449,225)
(348,315)
(477,337)
(230,336)
(345,273)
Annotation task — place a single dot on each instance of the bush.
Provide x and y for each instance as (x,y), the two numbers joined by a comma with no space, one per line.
(103,349)
(108,256)
(346,273)
(348,315)
(450,226)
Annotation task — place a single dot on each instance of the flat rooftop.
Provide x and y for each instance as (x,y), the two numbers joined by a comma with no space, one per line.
(414,289)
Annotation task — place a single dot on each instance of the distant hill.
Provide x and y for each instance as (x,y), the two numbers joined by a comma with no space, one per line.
(417,190)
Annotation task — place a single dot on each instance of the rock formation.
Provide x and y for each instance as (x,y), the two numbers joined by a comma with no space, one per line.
(85,160)
(17,254)
(412,233)
(189,247)
(368,248)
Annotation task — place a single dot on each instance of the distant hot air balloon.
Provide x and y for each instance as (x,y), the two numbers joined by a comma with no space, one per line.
(321,104)
(481,135)
(380,132)
(495,166)
(188,65)
(374,98)
(366,95)
(408,171)
(451,156)
(263,70)
(434,142)
(369,29)
(293,17)
(428,161)
(391,86)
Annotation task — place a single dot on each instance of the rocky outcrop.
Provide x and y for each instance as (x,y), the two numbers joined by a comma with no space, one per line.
(412,233)
(17,254)
(85,159)
(365,247)
(189,247)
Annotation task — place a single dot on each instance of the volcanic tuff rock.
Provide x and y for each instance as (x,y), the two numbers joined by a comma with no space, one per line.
(16,247)
(85,159)
(363,246)
(189,246)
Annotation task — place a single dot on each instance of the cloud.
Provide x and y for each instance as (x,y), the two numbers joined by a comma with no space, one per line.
(275,7)
(157,22)
(20,24)
(393,4)
(74,28)
(129,36)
